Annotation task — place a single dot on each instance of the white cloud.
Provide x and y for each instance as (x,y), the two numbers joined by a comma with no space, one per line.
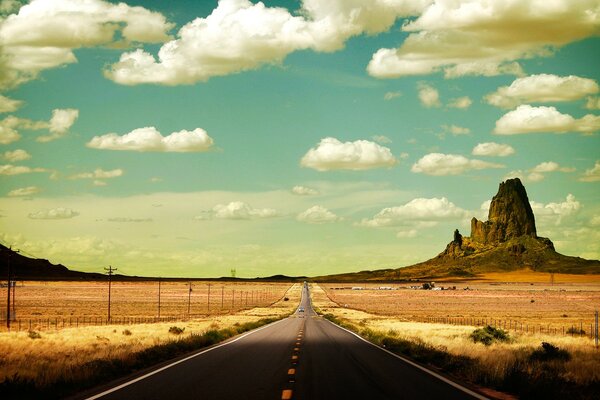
(304,191)
(54,213)
(551,166)
(150,139)
(26,191)
(317,215)
(492,149)
(428,95)
(9,105)
(128,220)
(44,33)
(592,174)
(237,210)
(593,103)
(416,210)
(524,176)
(528,119)
(99,173)
(406,234)
(239,35)
(16,155)
(392,95)
(460,102)
(556,211)
(59,124)
(381,139)
(542,88)
(10,125)
(9,169)
(456,130)
(438,164)
(331,154)
(485,37)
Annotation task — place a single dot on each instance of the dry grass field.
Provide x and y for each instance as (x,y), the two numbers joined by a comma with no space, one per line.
(495,365)
(532,305)
(67,352)
(77,302)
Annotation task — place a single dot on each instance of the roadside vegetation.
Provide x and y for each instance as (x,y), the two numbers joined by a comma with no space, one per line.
(54,364)
(528,366)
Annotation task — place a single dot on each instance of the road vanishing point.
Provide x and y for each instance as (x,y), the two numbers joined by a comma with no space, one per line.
(303,356)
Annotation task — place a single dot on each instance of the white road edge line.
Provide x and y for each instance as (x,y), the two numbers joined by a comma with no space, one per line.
(121,386)
(406,360)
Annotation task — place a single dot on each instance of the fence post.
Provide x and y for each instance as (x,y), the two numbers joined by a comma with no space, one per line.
(596,327)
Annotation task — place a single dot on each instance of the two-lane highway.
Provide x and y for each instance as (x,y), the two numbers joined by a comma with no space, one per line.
(301,357)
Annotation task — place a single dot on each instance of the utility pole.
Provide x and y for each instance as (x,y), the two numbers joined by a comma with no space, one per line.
(110,271)
(159,298)
(208,299)
(189,299)
(222,290)
(8,287)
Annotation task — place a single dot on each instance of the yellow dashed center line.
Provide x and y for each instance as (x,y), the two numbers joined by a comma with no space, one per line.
(286,394)
(292,371)
(294,357)
(296,348)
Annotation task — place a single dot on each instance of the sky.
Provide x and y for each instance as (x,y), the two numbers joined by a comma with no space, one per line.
(190,138)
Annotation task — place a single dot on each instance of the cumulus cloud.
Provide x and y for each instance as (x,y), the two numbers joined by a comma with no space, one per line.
(391,95)
(237,210)
(556,211)
(593,103)
(16,155)
(304,191)
(9,105)
(9,128)
(99,173)
(551,166)
(417,210)
(381,139)
(26,191)
(485,38)
(54,213)
(492,149)
(317,215)
(44,33)
(536,174)
(239,35)
(150,139)
(59,124)
(529,119)
(592,174)
(128,220)
(331,154)
(460,102)
(9,169)
(428,95)
(456,130)
(406,234)
(542,88)
(439,164)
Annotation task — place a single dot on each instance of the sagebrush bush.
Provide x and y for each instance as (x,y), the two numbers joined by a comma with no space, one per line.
(549,352)
(175,330)
(489,335)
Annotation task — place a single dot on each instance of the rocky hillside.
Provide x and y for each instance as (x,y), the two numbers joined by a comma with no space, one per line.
(507,241)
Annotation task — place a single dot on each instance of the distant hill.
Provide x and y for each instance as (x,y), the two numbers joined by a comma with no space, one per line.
(507,241)
(25,268)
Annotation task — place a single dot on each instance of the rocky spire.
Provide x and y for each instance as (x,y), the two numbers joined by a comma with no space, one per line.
(510,216)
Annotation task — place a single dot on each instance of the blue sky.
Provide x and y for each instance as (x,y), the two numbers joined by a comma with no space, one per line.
(189,138)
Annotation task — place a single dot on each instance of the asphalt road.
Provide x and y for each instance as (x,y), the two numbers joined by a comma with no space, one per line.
(300,357)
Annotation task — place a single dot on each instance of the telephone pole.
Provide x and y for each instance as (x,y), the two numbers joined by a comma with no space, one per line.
(208,299)
(189,299)
(159,298)
(9,253)
(222,290)
(110,271)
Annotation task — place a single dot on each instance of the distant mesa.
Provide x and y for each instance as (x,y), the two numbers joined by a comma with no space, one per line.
(507,241)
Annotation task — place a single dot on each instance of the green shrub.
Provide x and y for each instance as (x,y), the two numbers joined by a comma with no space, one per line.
(34,335)
(175,330)
(549,352)
(489,335)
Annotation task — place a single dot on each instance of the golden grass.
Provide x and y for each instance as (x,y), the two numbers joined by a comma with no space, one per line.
(527,276)
(51,357)
(497,359)
(73,300)
(526,305)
